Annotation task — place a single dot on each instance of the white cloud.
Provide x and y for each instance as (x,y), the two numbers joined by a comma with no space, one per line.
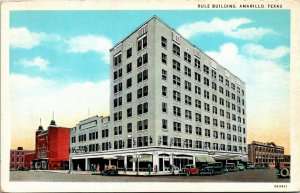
(34,98)
(230,28)
(260,51)
(39,62)
(82,44)
(23,38)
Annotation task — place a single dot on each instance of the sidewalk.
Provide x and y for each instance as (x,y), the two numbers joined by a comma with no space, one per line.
(63,171)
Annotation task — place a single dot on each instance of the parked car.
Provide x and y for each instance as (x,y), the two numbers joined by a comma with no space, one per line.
(240,167)
(176,170)
(260,166)
(212,169)
(283,170)
(230,167)
(110,170)
(250,166)
(23,169)
(190,169)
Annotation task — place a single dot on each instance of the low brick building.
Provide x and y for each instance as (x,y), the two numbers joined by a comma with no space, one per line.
(18,158)
(52,148)
(259,152)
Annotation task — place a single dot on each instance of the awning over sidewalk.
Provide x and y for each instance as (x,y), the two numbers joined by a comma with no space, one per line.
(142,158)
(109,157)
(205,158)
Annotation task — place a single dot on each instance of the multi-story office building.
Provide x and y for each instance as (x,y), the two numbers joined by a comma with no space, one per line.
(260,152)
(170,103)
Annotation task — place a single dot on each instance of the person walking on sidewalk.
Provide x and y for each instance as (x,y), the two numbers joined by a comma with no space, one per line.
(149,169)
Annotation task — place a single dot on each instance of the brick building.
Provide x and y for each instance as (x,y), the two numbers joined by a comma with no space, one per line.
(18,158)
(259,152)
(52,148)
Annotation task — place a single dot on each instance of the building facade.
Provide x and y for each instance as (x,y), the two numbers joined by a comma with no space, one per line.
(171,104)
(52,148)
(269,152)
(19,158)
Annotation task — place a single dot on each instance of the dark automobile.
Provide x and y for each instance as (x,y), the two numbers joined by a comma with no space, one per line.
(23,169)
(230,167)
(212,169)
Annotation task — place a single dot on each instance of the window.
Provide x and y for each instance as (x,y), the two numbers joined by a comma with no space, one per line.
(164,124)
(129,143)
(129,97)
(176,111)
(129,127)
(142,43)
(164,74)
(215,134)
(129,82)
(117,59)
(142,125)
(214,98)
(188,143)
(227,104)
(215,110)
(176,50)
(104,133)
(227,93)
(164,58)
(207,133)
(207,120)
(177,142)
(233,86)
(187,85)
(142,108)
(198,131)
(222,112)
(164,91)
(222,135)
(145,58)
(227,82)
(163,42)
(187,71)
(188,114)
(221,78)
(142,76)
(197,64)
(142,92)
(214,86)
(187,57)
(198,90)
(197,103)
(176,80)
(177,126)
(215,146)
(164,107)
(221,101)
(176,65)
(206,107)
(188,100)
(198,117)
(197,77)
(232,96)
(206,81)
(188,129)
(228,147)
(206,94)
(213,74)
(221,89)
(165,140)
(176,96)
(118,130)
(129,52)
(198,144)
(215,122)
(129,68)
(129,112)
(206,69)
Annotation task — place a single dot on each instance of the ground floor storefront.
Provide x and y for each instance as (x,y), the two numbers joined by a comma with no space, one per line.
(149,159)
(49,164)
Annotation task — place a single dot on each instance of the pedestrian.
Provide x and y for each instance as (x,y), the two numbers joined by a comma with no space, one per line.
(78,167)
(124,169)
(98,168)
(149,169)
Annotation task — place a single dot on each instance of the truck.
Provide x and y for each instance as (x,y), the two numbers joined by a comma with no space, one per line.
(282,169)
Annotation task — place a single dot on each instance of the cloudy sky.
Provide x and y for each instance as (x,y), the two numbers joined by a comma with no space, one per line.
(59,61)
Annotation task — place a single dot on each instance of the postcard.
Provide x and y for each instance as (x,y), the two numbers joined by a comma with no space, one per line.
(164,96)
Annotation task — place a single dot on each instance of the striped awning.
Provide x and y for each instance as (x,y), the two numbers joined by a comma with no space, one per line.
(205,158)
(142,158)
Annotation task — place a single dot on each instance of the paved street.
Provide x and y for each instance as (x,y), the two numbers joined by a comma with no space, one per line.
(258,175)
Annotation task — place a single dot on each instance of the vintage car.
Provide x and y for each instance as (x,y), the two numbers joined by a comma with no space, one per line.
(240,167)
(250,166)
(260,166)
(110,170)
(212,169)
(230,167)
(283,169)
(190,169)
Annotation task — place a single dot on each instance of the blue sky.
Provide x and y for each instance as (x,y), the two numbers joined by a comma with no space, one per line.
(59,62)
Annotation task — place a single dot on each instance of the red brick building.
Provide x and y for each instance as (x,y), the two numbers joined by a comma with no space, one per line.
(52,148)
(18,158)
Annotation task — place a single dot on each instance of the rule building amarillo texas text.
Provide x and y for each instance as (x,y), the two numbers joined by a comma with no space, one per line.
(170,104)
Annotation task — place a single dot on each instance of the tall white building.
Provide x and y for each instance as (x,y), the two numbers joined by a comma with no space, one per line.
(171,104)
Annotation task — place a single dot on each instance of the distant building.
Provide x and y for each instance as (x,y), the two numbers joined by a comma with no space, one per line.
(18,158)
(259,152)
(52,148)
(287,158)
